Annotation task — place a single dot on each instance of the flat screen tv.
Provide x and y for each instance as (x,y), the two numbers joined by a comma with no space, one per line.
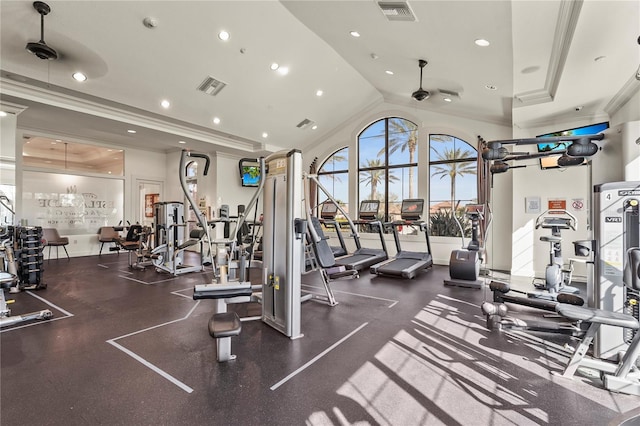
(250,175)
(551,161)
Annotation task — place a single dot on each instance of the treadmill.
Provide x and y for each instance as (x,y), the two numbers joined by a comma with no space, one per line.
(362,257)
(328,213)
(407,264)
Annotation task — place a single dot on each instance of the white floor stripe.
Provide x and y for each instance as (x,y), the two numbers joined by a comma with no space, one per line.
(317,357)
(103,266)
(147,364)
(37,322)
(67,313)
(133,279)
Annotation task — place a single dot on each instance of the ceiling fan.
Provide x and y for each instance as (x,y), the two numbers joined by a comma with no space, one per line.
(421,94)
(40,48)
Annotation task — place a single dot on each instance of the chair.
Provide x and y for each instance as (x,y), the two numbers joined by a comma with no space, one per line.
(108,234)
(53,239)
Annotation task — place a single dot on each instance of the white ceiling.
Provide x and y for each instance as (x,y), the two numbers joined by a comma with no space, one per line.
(541,60)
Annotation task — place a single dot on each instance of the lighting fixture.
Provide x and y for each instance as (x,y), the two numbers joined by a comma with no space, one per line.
(216,120)
(223,35)
(389,72)
(446,99)
(78,76)
(182,142)
(58,140)
(165,104)
(131,131)
(490,87)
(265,134)
(3,114)
(283,70)
(482,42)
(315,126)
(354,34)
(319,93)
(274,66)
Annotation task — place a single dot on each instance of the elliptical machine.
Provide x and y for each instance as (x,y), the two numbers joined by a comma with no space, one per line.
(464,264)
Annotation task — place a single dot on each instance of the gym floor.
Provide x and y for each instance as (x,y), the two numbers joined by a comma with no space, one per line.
(132,348)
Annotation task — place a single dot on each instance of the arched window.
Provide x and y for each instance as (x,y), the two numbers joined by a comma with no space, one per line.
(453,172)
(333,175)
(388,164)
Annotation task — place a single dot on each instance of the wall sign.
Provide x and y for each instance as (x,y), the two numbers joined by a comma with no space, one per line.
(73,204)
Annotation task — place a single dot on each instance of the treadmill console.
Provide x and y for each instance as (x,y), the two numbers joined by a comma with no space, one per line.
(369,209)
(412,209)
(328,210)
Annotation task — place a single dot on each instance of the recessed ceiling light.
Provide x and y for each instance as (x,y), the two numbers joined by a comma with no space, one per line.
(274,66)
(223,35)
(216,120)
(389,72)
(78,76)
(58,140)
(482,42)
(165,103)
(265,134)
(3,114)
(181,142)
(354,34)
(319,93)
(490,87)
(131,131)
(283,70)
(315,126)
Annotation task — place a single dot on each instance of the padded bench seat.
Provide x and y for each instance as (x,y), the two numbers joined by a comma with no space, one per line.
(226,324)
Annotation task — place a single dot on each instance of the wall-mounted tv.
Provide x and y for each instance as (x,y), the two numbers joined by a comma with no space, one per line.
(551,161)
(249,172)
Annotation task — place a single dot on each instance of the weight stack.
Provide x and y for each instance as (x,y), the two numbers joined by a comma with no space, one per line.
(30,257)
(632,307)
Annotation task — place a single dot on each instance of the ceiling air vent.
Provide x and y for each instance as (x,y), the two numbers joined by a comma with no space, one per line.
(305,124)
(211,86)
(397,11)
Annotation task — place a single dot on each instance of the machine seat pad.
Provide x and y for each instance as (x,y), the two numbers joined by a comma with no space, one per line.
(597,316)
(499,286)
(221,293)
(550,239)
(226,324)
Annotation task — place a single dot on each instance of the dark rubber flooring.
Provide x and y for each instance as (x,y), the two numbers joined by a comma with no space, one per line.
(132,348)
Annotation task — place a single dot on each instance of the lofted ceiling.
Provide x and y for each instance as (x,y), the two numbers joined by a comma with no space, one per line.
(548,62)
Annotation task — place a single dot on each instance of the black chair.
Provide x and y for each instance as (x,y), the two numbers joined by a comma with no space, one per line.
(53,239)
(131,242)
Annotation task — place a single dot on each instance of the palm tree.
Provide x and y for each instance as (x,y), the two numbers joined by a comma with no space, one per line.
(403,136)
(375,176)
(452,168)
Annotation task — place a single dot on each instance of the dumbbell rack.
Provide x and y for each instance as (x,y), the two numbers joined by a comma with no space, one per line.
(29,254)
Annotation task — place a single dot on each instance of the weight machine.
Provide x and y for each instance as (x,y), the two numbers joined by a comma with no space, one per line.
(283,256)
(168,255)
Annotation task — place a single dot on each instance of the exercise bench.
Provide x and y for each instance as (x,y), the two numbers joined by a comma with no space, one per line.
(224,325)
